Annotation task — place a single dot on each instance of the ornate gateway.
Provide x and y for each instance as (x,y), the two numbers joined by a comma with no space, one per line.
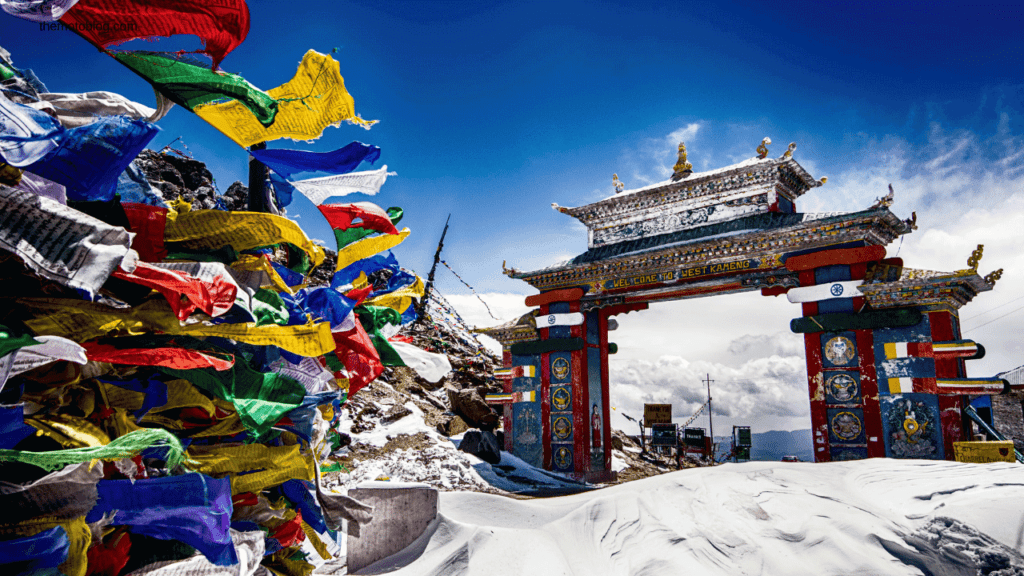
(873,329)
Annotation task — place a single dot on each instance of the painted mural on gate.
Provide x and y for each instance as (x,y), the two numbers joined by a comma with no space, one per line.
(842,387)
(526,416)
(911,426)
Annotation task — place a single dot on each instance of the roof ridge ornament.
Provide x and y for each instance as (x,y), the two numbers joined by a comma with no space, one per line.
(973,261)
(884,201)
(789,151)
(618,184)
(682,169)
(762,150)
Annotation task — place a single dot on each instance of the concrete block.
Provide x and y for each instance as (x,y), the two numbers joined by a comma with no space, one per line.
(401,513)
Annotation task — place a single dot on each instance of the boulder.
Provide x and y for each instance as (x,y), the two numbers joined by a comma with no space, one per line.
(470,405)
(482,444)
(452,426)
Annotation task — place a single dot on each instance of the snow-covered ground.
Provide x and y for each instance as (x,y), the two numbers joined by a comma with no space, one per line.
(875,516)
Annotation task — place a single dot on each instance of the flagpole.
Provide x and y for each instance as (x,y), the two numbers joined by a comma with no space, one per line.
(433,268)
(261,196)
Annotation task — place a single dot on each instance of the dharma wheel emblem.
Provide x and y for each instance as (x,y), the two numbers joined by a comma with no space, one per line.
(836,290)
(846,426)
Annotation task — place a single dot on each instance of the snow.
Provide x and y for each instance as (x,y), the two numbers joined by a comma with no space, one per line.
(877,516)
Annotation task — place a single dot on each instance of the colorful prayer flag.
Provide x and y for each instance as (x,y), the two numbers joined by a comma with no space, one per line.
(312,100)
(221,25)
(289,163)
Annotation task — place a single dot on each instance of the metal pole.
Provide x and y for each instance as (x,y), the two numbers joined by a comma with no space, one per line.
(711,423)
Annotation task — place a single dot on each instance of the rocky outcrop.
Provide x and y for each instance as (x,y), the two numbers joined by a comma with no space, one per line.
(470,405)
(482,444)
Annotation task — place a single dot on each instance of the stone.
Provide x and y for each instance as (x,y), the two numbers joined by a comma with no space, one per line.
(470,405)
(395,414)
(452,426)
(482,444)
(401,514)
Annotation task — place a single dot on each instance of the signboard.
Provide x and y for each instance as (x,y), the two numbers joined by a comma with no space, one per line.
(664,435)
(742,435)
(982,452)
(657,414)
(694,437)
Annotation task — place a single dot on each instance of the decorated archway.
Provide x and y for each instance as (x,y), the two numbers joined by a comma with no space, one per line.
(885,359)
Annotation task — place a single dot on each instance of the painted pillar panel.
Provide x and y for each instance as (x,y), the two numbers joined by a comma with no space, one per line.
(816,393)
(595,418)
(912,426)
(869,391)
(952,423)
(545,404)
(526,438)
(507,421)
(944,328)
(605,390)
(917,367)
(562,400)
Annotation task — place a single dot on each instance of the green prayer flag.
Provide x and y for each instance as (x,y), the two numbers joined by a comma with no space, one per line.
(355,233)
(260,399)
(373,318)
(189,85)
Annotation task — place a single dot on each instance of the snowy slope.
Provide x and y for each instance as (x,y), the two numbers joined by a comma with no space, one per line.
(875,516)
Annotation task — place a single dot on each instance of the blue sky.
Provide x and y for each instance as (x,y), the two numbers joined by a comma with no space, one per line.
(490,111)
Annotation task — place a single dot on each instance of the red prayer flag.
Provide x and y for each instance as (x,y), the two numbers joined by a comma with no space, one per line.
(362,361)
(214,298)
(220,24)
(343,216)
(177,358)
(149,224)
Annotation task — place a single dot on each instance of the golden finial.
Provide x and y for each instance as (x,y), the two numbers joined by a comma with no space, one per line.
(991,278)
(789,152)
(975,258)
(823,180)
(762,150)
(619,185)
(912,221)
(682,169)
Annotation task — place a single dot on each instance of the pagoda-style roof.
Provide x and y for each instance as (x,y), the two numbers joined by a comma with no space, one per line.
(692,200)
(756,243)
(522,329)
(945,290)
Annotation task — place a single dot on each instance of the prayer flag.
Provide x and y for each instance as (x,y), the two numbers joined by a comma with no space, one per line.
(320,189)
(221,25)
(190,85)
(26,134)
(289,163)
(312,100)
(368,247)
(90,158)
(37,10)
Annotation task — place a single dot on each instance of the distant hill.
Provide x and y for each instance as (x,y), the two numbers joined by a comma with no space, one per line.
(773,445)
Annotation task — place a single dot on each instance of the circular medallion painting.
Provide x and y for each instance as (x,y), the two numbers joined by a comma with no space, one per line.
(562,428)
(846,426)
(563,457)
(561,399)
(842,387)
(839,350)
(560,368)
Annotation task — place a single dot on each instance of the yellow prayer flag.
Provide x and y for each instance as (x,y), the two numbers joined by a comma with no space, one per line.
(400,299)
(82,321)
(368,247)
(211,229)
(312,100)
